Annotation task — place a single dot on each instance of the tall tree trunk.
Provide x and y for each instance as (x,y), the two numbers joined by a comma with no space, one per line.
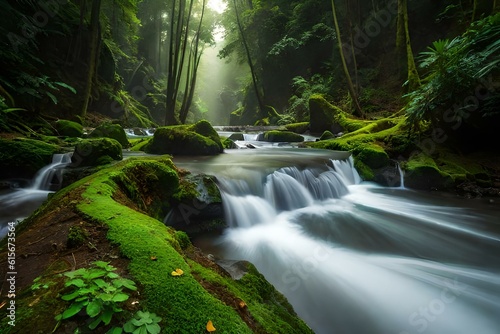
(249,60)
(350,86)
(413,77)
(494,10)
(194,62)
(171,71)
(158,26)
(353,50)
(93,58)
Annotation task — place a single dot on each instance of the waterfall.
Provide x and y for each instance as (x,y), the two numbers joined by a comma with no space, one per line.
(355,258)
(18,203)
(288,188)
(401,177)
(50,176)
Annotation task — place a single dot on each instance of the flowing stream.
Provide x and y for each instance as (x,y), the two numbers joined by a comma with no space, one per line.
(17,202)
(354,257)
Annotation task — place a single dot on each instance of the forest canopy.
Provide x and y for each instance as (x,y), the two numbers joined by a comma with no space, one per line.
(142,62)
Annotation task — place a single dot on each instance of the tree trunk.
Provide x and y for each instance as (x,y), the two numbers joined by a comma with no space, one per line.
(474,11)
(413,77)
(350,86)
(171,70)
(93,58)
(250,63)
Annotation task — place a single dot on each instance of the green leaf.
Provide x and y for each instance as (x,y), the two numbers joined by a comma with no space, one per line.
(52,97)
(62,84)
(78,282)
(93,308)
(129,327)
(72,295)
(129,284)
(120,297)
(95,323)
(115,330)
(72,310)
(153,328)
(141,330)
(100,283)
(112,275)
(106,316)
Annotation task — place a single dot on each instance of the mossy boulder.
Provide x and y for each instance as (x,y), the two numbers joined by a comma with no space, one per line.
(110,130)
(24,157)
(325,116)
(197,139)
(149,184)
(282,136)
(237,136)
(299,128)
(197,206)
(69,128)
(326,135)
(421,172)
(95,152)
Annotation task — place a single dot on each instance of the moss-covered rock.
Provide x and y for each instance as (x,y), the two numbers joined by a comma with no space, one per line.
(68,128)
(197,139)
(326,135)
(227,142)
(325,116)
(110,130)
(149,184)
(299,128)
(282,136)
(423,173)
(95,152)
(237,136)
(24,157)
(197,206)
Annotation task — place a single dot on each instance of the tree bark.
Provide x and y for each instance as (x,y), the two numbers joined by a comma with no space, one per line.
(93,58)
(350,86)
(413,77)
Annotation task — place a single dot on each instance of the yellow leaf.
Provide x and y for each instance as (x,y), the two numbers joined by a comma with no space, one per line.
(177,272)
(210,326)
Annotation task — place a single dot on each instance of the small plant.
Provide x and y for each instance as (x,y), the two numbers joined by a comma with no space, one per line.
(37,285)
(143,323)
(99,290)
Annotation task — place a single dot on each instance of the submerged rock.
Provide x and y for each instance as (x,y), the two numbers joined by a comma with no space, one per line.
(282,136)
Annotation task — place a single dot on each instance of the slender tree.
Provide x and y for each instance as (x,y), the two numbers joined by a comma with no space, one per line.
(93,57)
(350,85)
(253,72)
(403,39)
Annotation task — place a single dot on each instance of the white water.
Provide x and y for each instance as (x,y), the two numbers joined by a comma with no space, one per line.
(18,203)
(358,258)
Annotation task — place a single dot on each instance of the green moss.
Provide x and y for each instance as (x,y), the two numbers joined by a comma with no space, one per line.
(205,129)
(183,239)
(96,152)
(24,157)
(149,184)
(139,144)
(113,131)
(365,172)
(68,128)
(299,128)
(227,143)
(76,236)
(282,136)
(183,140)
(327,135)
(325,116)
(268,307)
(423,173)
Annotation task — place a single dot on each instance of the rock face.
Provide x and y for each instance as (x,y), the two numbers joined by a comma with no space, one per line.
(323,115)
(69,129)
(95,152)
(24,157)
(114,131)
(198,206)
(196,139)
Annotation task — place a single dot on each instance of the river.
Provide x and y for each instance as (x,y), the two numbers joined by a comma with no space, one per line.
(354,257)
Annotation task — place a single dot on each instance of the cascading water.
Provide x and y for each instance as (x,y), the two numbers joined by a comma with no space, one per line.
(358,258)
(18,203)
